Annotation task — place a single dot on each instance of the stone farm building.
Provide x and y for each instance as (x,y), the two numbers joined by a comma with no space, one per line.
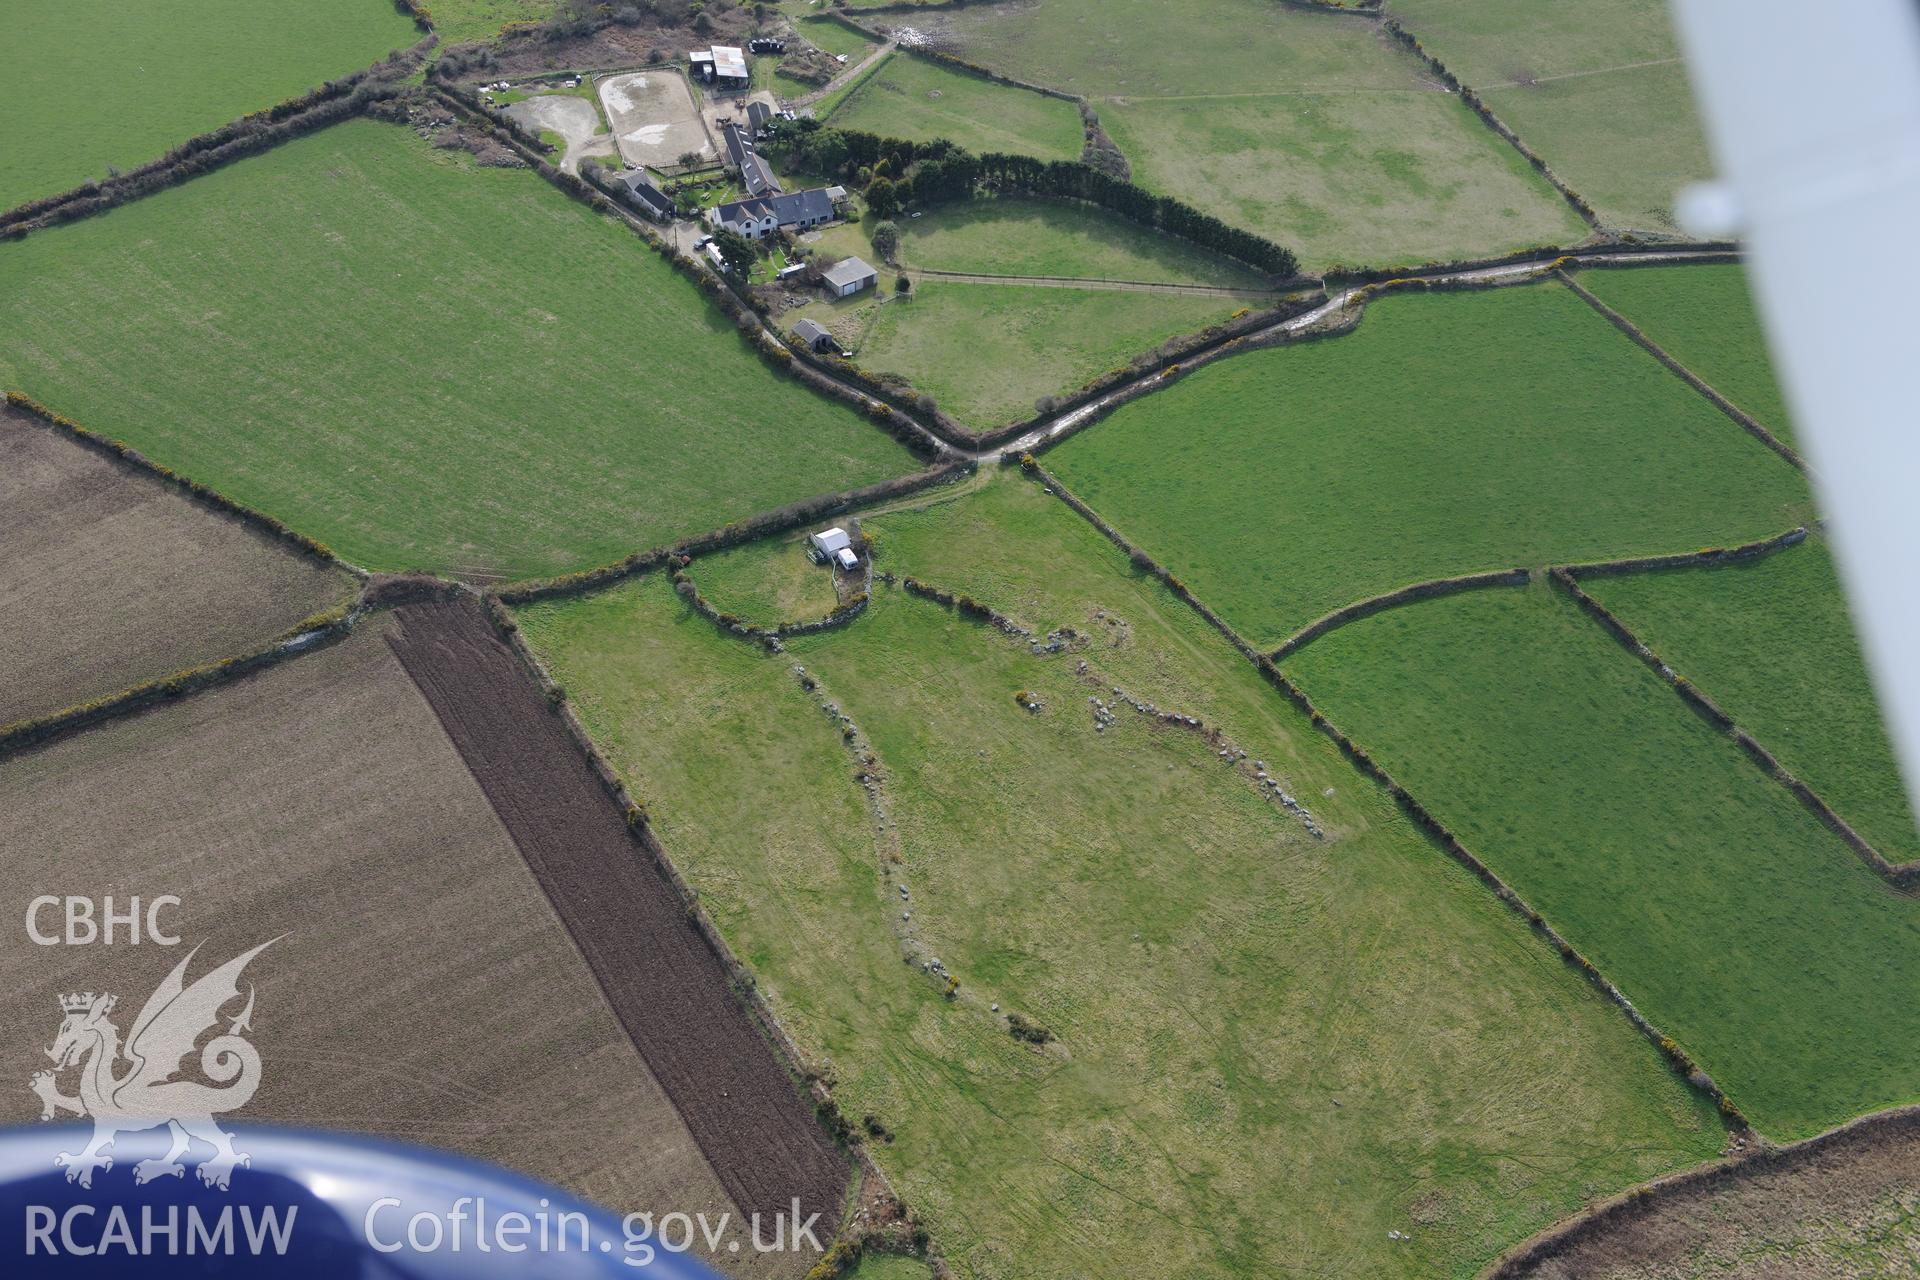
(762,216)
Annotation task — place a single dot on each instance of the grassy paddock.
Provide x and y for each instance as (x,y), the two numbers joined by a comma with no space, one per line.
(1020,237)
(1449,433)
(1308,128)
(831,37)
(1596,89)
(380,344)
(767,583)
(1388,176)
(466,21)
(987,352)
(86,87)
(909,97)
(1134,894)
(1723,908)
(1770,641)
(1703,316)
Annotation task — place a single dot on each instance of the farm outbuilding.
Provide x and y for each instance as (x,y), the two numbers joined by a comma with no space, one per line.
(815,336)
(654,202)
(722,66)
(829,543)
(849,276)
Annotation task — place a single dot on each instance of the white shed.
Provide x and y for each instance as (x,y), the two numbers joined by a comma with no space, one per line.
(829,543)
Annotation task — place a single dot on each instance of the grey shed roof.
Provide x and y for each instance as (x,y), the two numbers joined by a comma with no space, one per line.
(810,331)
(849,271)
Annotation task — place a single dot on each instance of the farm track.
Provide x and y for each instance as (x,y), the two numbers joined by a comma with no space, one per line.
(846,77)
(666,986)
(1065,424)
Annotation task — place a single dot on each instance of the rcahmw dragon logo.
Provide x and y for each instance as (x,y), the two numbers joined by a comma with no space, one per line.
(144,1095)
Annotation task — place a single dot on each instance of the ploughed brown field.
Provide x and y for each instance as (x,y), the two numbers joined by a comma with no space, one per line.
(112,578)
(668,988)
(1838,1207)
(421,987)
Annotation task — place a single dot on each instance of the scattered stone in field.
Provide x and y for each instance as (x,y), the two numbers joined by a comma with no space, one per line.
(995,1008)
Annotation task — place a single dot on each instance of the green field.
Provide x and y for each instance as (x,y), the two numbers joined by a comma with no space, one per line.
(886,1266)
(1308,128)
(1246,1080)
(85,88)
(1598,90)
(1017,237)
(987,352)
(468,21)
(1770,641)
(1361,178)
(830,37)
(420,362)
(1723,908)
(1703,316)
(909,97)
(1450,433)
(766,583)
(1171,49)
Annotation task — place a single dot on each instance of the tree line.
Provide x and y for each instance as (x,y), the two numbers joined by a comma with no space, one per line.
(895,174)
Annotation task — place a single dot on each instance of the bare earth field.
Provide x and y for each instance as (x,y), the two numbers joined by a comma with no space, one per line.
(1835,1208)
(420,987)
(666,985)
(113,578)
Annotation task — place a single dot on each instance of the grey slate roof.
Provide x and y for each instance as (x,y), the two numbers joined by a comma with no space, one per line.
(641,188)
(754,173)
(810,332)
(787,208)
